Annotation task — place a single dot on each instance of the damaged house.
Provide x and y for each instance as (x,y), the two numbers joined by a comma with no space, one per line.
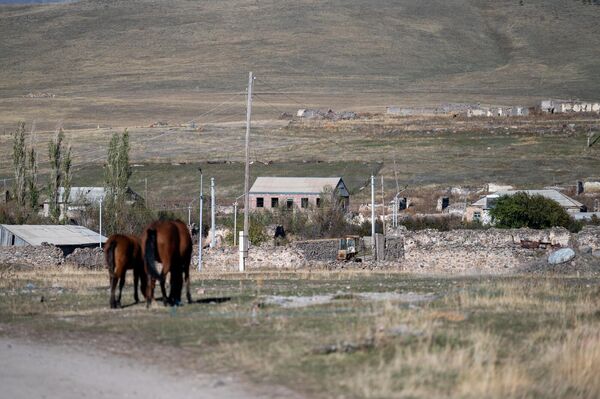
(480,210)
(296,192)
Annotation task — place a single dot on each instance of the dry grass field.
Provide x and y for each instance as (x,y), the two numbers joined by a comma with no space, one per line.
(378,335)
(134,62)
(531,152)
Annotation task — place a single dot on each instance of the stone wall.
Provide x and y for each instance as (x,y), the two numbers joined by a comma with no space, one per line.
(479,251)
(318,250)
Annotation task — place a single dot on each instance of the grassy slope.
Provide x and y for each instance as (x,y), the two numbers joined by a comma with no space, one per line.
(108,61)
(524,337)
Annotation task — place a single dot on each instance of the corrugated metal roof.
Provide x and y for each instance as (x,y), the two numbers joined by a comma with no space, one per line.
(35,234)
(295,185)
(86,194)
(563,200)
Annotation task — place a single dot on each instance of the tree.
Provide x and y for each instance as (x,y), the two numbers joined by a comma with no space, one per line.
(116,179)
(60,174)
(33,194)
(522,210)
(19,164)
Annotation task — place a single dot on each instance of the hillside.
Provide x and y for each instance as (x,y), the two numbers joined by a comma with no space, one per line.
(131,61)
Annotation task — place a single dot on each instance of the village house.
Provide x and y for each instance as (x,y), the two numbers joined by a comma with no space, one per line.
(66,237)
(82,197)
(480,210)
(296,192)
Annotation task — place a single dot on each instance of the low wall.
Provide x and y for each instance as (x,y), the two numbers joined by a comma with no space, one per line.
(318,250)
(492,251)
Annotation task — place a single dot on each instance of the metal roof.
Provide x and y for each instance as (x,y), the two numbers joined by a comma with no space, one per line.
(563,200)
(35,234)
(297,185)
(85,194)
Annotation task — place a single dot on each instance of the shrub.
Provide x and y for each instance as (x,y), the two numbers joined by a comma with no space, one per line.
(536,212)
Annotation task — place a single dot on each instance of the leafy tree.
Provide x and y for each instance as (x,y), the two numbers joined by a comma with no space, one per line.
(19,164)
(522,210)
(32,190)
(60,174)
(116,179)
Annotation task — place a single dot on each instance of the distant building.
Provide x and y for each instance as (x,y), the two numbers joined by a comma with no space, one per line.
(479,211)
(296,192)
(568,106)
(66,237)
(82,197)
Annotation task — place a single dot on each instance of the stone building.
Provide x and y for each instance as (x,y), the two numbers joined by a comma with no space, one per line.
(296,192)
(480,210)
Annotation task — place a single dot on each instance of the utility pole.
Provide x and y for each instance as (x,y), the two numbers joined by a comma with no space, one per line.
(213,229)
(373,215)
(146,191)
(244,235)
(200,224)
(235,233)
(100,230)
(189,215)
(383,205)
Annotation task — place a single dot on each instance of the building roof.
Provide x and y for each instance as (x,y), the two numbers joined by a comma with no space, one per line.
(297,185)
(85,194)
(58,235)
(563,200)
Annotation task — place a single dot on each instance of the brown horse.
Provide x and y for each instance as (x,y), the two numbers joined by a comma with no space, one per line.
(169,243)
(185,254)
(124,253)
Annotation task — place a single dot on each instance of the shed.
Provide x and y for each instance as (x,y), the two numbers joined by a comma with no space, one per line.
(66,237)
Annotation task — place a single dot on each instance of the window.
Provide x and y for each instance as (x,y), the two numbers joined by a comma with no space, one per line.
(477,216)
(304,202)
(318,202)
(260,202)
(289,203)
(275,202)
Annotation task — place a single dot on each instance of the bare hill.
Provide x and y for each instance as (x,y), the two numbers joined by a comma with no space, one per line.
(375,52)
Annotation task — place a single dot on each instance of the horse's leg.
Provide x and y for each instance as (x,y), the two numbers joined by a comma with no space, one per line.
(149,290)
(136,279)
(113,287)
(176,285)
(164,289)
(121,284)
(187,285)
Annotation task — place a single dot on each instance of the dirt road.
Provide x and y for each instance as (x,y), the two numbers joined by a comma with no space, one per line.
(33,370)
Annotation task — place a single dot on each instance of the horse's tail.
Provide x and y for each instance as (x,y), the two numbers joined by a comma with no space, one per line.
(149,251)
(110,257)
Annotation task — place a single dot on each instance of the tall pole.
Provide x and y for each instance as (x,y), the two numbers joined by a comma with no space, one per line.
(146,191)
(373,214)
(244,237)
(382,205)
(213,229)
(235,233)
(189,215)
(100,230)
(201,202)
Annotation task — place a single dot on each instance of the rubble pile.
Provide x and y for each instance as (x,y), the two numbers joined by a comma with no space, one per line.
(89,258)
(44,255)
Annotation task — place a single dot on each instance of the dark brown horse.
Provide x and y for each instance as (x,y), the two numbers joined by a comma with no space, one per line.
(124,253)
(169,243)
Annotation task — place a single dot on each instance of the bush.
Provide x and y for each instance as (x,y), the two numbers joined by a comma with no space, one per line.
(536,212)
